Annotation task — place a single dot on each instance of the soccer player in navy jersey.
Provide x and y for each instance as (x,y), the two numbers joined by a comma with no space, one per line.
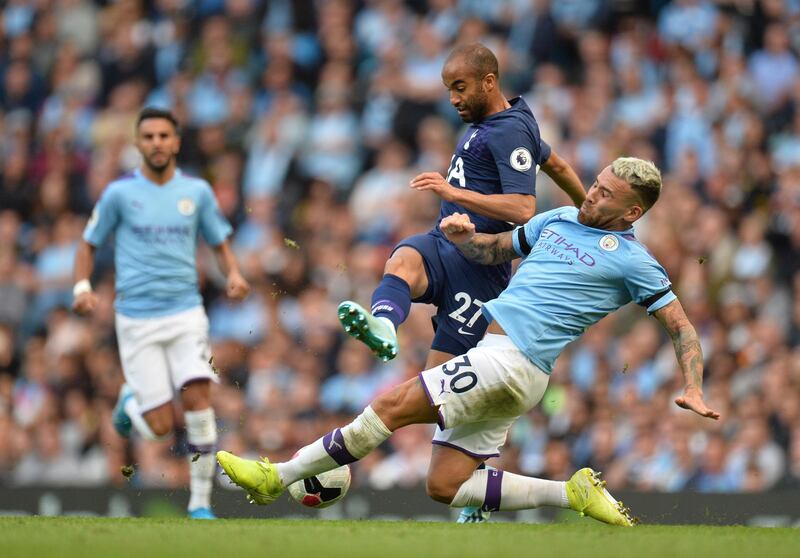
(492,178)
(157,214)
(578,266)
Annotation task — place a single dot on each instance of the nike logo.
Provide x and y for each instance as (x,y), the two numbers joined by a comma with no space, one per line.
(462,332)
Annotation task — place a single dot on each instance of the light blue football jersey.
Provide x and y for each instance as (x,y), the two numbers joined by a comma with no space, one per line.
(571,277)
(156,230)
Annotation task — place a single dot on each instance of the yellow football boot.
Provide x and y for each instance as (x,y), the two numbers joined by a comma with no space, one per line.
(587,495)
(259,479)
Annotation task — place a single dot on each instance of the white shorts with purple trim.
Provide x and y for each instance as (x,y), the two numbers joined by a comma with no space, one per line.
(481,393)
(161,355)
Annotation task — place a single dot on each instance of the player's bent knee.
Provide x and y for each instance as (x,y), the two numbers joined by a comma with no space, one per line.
(388,406)
(160,421)
(406,264)
(161,429)
(441,491)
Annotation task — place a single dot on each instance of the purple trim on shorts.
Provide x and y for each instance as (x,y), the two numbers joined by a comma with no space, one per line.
(394,308)
(211,377)
(333,442)
(494,481)
(440,421)
(465,451)
(205,448)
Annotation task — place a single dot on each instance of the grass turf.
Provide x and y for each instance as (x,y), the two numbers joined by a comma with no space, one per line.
(65,537)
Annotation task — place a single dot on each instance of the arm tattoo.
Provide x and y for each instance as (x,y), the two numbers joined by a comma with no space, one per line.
(686,343)
(489,249)
(689,354)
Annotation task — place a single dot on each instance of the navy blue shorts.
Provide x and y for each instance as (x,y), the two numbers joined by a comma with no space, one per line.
(458,288)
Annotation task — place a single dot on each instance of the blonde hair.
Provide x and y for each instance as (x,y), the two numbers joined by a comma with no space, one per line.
(643,176)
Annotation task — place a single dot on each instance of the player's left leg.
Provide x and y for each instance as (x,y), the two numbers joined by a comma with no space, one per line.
(188,355)
(201,433)
(495,490)
(264,482)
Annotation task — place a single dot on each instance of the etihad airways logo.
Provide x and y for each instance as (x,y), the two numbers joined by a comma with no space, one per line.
(559,246)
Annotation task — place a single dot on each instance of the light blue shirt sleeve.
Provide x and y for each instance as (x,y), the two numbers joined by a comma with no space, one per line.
(648,284)
(524,237)
(213,225)
(104,219)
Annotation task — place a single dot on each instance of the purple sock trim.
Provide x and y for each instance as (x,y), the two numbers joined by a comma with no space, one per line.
(334,445)
(386,307)
(208,448)
(392,299)
(494,481)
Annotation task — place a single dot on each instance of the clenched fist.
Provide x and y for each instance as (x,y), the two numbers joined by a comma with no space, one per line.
(457,228)
(85,303)
(238,288)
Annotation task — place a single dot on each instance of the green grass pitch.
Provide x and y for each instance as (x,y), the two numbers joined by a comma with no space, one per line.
(66,537)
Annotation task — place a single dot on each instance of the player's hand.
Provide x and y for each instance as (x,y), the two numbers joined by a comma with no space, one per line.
(238,288)
(434,182)
(85,303)
(457,228)
(692,399)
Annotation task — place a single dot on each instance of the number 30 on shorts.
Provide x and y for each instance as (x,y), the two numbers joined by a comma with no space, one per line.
(463,378)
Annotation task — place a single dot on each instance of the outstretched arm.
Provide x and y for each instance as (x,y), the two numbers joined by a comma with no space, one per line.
(567,179)
(690,357)
(486,249)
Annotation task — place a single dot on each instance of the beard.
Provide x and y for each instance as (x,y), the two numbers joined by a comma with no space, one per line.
(158,167)
(476,109)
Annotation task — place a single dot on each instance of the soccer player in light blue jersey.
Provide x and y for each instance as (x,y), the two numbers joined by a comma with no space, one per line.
(157,214)
(579,265)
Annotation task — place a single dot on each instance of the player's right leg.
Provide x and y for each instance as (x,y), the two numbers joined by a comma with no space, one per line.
(405,279)
(145,398)
(265,482)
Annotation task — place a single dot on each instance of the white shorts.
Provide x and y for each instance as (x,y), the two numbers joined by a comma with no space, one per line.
(480,395)
(161,355)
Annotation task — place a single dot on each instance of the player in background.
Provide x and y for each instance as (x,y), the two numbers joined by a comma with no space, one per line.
(579,265)
(157,214)
(492,178)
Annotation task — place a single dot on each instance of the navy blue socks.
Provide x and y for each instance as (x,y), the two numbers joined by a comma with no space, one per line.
(392,299)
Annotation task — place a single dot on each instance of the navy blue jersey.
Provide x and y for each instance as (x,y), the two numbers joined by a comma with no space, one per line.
(498,155)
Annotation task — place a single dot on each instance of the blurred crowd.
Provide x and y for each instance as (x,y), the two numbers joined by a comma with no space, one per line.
(308,117)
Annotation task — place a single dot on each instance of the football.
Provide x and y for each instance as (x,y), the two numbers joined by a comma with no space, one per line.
(322,490)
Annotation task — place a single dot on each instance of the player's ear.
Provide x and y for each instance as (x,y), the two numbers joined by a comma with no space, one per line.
(489,82)
(634,212)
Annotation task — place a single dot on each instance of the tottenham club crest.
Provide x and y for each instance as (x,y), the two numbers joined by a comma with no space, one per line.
(186,206)
(609,243)
(521,159)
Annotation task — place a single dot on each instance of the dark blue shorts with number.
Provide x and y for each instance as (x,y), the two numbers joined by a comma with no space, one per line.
(458,288)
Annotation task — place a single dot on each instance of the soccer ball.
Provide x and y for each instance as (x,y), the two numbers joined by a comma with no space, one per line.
(322,490)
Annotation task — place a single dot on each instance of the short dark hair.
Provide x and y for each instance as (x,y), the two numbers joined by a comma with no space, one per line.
(153,112)
(479,58)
